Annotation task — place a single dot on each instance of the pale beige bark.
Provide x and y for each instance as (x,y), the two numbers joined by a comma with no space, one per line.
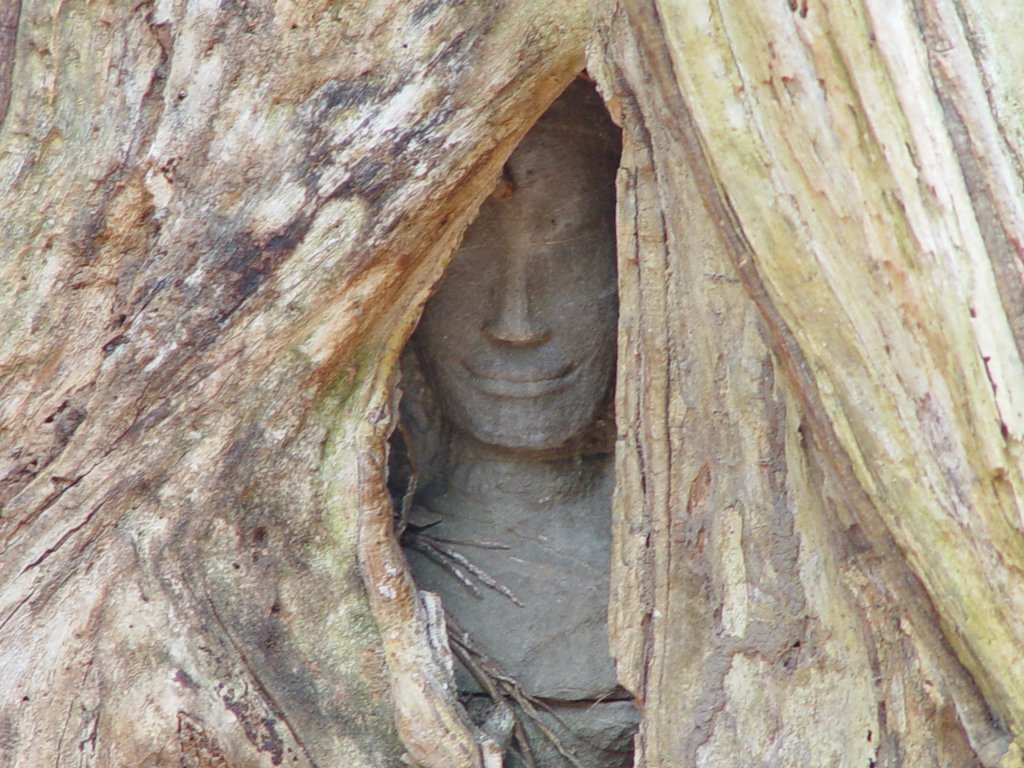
(864,497)
(219,223)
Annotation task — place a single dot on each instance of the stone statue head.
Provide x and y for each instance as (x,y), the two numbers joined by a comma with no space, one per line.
(518,343)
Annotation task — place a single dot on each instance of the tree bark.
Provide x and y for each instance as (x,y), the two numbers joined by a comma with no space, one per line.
(220,223)
(215,221)
(764,592)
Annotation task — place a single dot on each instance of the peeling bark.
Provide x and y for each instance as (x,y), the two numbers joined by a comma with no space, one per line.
(214,221)
(219,226)
(9,12)
(804,513)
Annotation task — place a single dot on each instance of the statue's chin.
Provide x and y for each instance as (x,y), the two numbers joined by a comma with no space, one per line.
(541,438)
(537,424)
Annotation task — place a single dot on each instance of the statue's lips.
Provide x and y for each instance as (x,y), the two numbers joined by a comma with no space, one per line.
(511,382)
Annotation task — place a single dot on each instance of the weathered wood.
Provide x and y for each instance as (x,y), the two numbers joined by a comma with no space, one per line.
(214,229)
(882,424)
(219,222)
(10,10)
(922,386)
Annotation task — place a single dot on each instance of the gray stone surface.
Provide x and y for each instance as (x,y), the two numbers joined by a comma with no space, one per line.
(518,342)
(556,563)
(517,350)
(598,734)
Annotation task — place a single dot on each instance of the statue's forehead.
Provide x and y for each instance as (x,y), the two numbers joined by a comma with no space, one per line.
(547,174)
(567,147)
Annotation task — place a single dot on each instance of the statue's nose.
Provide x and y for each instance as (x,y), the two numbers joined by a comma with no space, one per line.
(516,329)
(514,324)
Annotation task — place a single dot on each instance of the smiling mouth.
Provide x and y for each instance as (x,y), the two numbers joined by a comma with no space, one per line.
(520,383)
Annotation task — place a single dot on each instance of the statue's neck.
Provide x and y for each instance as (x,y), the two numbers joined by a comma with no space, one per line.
(485,472)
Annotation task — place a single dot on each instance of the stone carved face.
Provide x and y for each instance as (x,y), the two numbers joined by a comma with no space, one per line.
(519,340)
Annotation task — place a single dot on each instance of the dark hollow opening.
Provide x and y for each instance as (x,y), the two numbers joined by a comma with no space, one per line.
(502,466)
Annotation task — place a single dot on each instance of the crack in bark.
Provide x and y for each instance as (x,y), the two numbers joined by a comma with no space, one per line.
(62,540)
(265,694)
(10,12)
(16,608)
(1004,249)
